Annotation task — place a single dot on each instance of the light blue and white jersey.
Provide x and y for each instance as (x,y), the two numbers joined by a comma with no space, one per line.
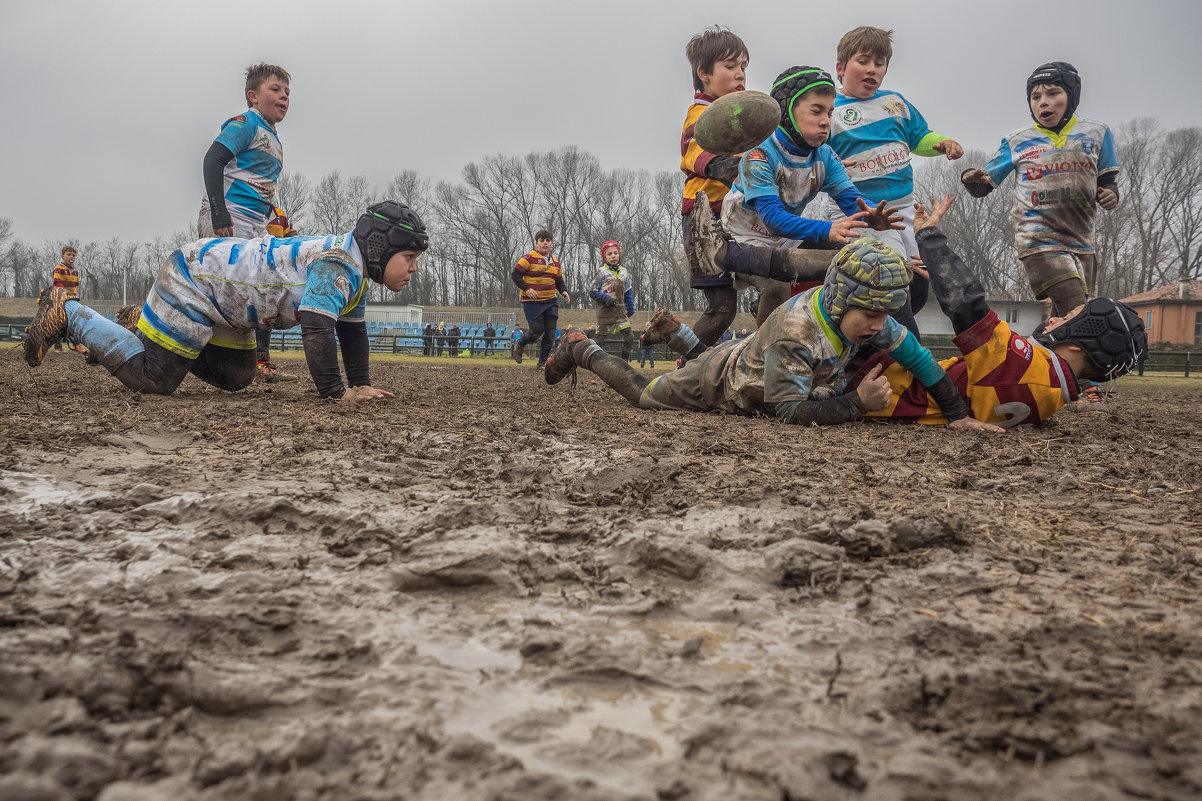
(771,169)
(1055,192)
(223,290)
(258,159)
(879,133)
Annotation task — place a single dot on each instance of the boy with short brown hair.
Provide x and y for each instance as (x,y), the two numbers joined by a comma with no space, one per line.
(66,276)
(875,131)
(718,63)
(538,276)
(240,170)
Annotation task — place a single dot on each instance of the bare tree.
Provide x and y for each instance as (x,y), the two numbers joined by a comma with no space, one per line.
(1181,168)
(294,194)
(337,202)
(980,229)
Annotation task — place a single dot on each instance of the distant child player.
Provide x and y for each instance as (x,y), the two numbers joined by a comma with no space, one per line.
(210,297)
(792,367)
(1005,379)
(614,297)
(718,63)
(875,131)
(539,275)
(240,171)
(1065,167)
(66,276)
(777,179)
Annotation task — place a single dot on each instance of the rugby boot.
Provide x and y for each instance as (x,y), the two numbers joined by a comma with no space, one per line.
(128,317)
(708,245)
(49,324)
(562,361)
(660,329)
(269,374)
(518,352)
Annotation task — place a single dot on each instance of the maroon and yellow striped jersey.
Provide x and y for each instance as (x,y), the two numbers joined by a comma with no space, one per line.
(540,274)
(693,161)
(1005,379)
(67,278)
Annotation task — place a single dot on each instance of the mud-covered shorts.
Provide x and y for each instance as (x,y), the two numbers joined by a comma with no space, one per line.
(699,386)
(1051,267)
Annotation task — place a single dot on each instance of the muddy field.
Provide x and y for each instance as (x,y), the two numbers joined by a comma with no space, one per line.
(492,589)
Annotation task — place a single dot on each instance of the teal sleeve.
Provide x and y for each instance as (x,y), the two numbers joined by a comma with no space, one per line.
(911,355)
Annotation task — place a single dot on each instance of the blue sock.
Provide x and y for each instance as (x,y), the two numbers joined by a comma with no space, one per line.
(683,340)
(111,343)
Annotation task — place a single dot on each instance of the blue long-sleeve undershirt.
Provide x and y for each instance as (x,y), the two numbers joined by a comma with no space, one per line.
(780,222)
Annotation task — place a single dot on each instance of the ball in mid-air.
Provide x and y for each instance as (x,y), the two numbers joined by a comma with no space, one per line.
(737,122)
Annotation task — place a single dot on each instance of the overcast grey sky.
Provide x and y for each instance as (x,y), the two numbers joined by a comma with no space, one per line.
(110,106)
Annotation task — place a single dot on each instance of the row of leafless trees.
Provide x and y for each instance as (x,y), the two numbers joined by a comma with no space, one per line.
(482,224)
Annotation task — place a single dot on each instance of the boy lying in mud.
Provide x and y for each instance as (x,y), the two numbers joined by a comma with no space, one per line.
(210,297)
(1006,379)
(793,366)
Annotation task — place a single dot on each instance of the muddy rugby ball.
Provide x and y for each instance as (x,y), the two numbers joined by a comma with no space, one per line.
(737,122)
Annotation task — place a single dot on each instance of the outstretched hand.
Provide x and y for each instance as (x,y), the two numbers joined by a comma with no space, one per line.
(843,231)
(925,219)
(973,424)
(976,182)
(950,148)
(364,393)
(881,218)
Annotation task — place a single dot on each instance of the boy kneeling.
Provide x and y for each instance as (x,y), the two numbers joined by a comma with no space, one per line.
(211,296)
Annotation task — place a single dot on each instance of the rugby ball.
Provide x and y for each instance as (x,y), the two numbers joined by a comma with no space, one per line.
(737,122)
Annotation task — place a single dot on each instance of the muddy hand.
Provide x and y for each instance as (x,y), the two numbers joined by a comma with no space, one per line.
(881,218)
(973,424)
(917,265)
(874,390)
(923,219)
(1107,199)
(357,394)
(843,231)
(950,148)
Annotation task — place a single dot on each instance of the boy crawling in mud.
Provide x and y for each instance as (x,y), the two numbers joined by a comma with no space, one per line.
(211,296)
(792,367)
(1004,379)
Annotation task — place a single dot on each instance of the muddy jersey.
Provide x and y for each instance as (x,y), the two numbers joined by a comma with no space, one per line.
(880,133)
(223,290)
(1005,379)
(771,168)
(613,282)
(799,354)
(251,175)
(694,160)
(1055,191)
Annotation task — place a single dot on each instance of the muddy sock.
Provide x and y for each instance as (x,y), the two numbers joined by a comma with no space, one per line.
(584,350)
(779,264)
(1066,295)
(112,344)
(684,341)
(616,373)
(719,314)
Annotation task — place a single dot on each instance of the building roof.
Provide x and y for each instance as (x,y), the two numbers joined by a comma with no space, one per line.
(1170,292)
